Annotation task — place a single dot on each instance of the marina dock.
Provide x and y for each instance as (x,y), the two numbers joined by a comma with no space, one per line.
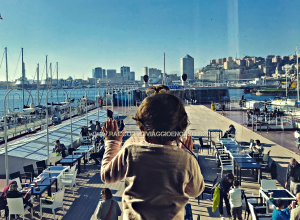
(87,194)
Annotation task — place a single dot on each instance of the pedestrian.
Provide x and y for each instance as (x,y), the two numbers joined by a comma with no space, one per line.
(225,186)
(295,214)
(293,176)
(235,200)
(109,208)
(98,127)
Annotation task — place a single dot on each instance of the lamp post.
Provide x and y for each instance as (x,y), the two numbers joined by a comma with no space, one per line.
(98,100)
(5,130)
(87,119)
(71,119)
(14,109)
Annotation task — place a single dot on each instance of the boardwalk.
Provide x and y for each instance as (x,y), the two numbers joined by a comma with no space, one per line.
(82,205)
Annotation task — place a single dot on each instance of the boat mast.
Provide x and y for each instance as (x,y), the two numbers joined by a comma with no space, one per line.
(297,76)
(51,81)
(38,84)
(164,69)
(57,80)
(22,76)
(286,82)
(6,69)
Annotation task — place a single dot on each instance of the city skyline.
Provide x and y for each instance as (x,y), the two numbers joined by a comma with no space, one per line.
(135,34)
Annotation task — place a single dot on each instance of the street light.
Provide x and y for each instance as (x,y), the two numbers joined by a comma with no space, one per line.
(71,119)
(98,100)
(85,99)
(5,130)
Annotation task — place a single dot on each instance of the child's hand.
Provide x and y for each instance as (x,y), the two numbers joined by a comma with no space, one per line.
(111,131)
(188,142)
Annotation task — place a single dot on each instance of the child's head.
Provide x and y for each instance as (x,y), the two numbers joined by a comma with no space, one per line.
(236,183)
(162,112)
(230,177)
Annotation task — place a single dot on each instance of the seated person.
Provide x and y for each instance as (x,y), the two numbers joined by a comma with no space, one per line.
(14,193)
(280,212)
(60,148)
(110,114)
(230,131)
(98,127)
(92,127)
(122,126)
(256,149)
(98,154)
(97,139)
(84,132)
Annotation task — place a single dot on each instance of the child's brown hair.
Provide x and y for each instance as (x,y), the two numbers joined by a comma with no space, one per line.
(162,112)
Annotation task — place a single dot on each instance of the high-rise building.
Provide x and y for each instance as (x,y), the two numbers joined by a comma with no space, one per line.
(145,71)
(97,72)
(103,74)
(153,72)
(125,71)
(132,76)
(187,66)
(111,73)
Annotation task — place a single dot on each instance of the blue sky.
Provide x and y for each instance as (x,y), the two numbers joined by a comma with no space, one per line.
(83,34)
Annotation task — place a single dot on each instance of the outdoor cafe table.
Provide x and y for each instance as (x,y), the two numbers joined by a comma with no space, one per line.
(56,169)
(282,194)
(70,160)
(84,150)
(226,141)
(50,179)
(246,166)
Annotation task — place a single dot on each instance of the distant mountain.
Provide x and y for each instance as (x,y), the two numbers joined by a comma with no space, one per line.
(179,72)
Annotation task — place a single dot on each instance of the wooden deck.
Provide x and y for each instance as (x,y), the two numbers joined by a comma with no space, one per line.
(87,195)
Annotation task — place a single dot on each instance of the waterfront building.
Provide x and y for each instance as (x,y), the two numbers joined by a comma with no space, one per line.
(132,76)
(187,66)
(111,73)
(145,71)
(97,73)
(153,72)
(232,74)
(103,74)
(125,71)
(228,59)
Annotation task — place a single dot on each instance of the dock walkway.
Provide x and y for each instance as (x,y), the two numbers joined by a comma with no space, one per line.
(82,205)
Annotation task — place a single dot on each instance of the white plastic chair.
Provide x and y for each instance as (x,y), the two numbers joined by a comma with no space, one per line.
(268,184)
(226,165)
(70,173)
(58,201)
(55,159)
(69,181)
(16,207)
